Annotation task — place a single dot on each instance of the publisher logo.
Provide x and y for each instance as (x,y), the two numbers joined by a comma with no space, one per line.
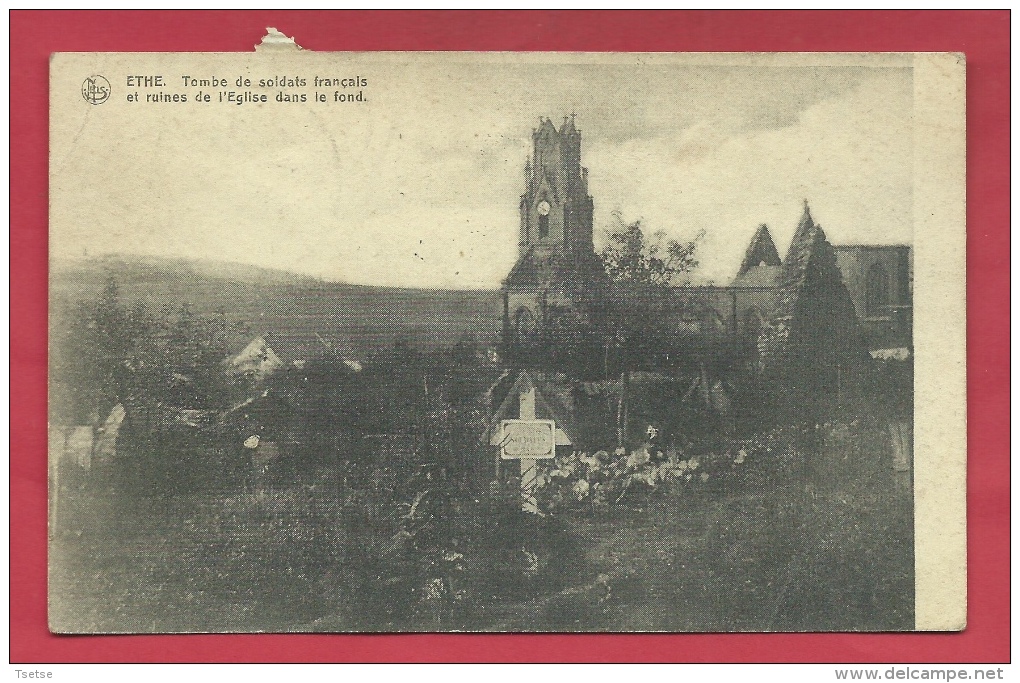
(95,89)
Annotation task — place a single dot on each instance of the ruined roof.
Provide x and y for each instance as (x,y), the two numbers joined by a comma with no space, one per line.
(809,248)
(798,259)
(760,252)
(758,276)
(541,269)
(810,264)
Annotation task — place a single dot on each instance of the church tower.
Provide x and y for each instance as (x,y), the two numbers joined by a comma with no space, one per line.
(556,210)
(558,281)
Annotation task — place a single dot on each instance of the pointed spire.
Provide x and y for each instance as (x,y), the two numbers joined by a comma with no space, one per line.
(809,248)
(814,303)
(806,216)
(568,126)
(805,232)
(761,251)
(547,126)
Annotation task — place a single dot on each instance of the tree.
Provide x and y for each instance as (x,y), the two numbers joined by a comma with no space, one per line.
(109,352)
(651,313)
(190,374)
(95,354)
(631,257)
(572,342)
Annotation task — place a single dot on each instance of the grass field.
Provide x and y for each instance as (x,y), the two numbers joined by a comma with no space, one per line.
(791,558)
(827,547)
(292,311)
(788,560)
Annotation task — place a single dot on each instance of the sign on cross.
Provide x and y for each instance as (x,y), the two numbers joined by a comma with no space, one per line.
(522,439)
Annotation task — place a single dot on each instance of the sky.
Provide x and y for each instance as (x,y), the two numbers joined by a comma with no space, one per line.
(418,186)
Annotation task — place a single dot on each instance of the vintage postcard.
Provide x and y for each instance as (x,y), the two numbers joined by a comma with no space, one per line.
(510,342)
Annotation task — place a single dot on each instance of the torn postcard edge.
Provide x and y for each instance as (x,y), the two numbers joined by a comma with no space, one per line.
(276,42)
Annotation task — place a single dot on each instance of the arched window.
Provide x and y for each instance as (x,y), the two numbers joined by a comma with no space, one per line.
(543,226)
(877,290)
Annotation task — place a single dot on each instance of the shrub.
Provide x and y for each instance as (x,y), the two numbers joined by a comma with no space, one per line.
(594,482)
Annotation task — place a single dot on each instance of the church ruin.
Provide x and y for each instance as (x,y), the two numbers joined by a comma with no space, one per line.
(813,303)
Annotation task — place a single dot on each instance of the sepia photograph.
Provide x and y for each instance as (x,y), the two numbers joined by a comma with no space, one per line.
(505,342)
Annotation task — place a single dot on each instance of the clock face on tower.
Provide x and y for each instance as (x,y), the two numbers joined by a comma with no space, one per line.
(543,208)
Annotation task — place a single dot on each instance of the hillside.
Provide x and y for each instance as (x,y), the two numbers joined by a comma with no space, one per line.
(289,309)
